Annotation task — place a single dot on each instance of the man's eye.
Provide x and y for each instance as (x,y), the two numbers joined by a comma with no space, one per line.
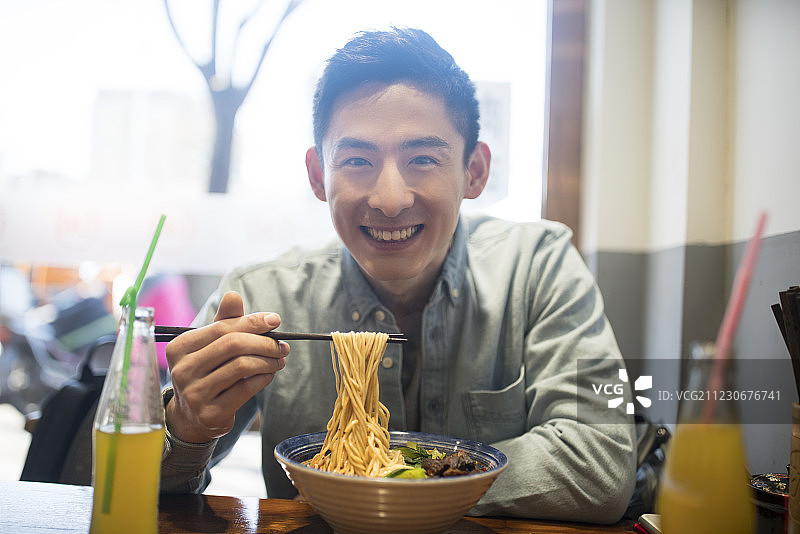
(356,162)
(423,160)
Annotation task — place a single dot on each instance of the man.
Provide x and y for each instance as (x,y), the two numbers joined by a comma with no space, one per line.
(496,313)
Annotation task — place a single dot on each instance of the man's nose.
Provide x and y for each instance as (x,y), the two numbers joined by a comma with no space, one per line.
(390,193)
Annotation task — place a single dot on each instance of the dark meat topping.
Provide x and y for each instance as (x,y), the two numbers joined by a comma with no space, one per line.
(458,463)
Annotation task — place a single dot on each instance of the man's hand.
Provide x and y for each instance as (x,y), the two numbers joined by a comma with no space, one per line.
(217,368)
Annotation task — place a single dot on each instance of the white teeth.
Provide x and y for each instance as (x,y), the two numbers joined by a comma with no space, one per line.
(396,235)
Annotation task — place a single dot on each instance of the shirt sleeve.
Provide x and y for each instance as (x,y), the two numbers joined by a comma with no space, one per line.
(186,467)
(577,460)
(183,465)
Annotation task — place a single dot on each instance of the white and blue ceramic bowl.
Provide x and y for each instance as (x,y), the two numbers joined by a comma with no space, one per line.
(364,505)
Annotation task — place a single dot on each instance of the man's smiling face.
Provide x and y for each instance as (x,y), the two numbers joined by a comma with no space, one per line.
(394,178)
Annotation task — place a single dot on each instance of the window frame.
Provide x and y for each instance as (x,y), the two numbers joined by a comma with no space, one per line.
(563,117)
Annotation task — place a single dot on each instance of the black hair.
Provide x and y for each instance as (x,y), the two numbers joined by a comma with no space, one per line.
(398,55)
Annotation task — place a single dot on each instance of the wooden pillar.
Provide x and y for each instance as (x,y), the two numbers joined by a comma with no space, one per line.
(563,113)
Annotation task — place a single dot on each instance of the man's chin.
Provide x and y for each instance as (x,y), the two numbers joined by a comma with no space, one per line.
(388,272)
(389,276)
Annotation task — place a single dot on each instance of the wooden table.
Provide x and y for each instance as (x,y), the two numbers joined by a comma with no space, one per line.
(36,508)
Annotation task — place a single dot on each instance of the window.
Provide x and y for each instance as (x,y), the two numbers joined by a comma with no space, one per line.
(105,124)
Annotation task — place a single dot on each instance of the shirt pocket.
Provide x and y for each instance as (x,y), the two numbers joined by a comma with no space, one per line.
(494,415)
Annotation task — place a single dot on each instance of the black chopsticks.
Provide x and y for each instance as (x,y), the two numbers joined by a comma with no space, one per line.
(787,315)
(165,334)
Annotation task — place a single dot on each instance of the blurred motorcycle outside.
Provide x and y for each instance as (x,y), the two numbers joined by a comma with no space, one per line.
(42,344)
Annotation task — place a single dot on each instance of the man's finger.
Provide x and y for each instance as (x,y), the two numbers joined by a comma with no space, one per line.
(239,393)
(233,373)
(255,323)
(230,306)
(228,350)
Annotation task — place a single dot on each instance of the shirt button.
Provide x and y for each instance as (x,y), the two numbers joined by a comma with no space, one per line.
(380,315)
(387,362)
(433,406)
(454,293)
(355,315)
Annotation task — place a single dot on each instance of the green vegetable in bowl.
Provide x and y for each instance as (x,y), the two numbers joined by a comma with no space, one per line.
(413,454)
(408,472)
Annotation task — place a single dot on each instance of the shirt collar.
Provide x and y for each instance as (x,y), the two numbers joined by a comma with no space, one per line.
(362,298)
(455,264)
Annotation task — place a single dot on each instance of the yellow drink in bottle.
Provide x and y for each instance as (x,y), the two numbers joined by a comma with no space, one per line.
(704,486)
(134,496)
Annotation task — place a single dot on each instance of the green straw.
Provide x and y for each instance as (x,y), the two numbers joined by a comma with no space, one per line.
(128,301)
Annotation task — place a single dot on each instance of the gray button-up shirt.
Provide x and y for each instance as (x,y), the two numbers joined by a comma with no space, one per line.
(513,310)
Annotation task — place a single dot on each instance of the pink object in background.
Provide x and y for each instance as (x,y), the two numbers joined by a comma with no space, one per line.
(168,295)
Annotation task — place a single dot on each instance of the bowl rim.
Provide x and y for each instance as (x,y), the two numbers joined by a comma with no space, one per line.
(401,435)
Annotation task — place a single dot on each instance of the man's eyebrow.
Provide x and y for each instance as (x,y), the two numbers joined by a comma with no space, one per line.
(346,143)
(430,141)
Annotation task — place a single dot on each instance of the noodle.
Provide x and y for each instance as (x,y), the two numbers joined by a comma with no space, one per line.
(357,442)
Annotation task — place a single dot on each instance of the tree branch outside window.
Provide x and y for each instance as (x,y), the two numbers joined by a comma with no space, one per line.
(226,97)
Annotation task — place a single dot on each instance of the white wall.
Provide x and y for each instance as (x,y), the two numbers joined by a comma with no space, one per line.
(692,122)
(765,152)
(617,126)
(692,128)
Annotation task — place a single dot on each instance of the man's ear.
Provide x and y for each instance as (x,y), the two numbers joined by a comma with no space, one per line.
(315,175)
(478,170)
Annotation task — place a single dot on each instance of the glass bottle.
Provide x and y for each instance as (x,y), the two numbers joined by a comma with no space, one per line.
(128,433)
(704,485)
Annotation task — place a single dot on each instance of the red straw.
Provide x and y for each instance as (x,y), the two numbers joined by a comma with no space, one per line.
(739,293)
(733,311)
